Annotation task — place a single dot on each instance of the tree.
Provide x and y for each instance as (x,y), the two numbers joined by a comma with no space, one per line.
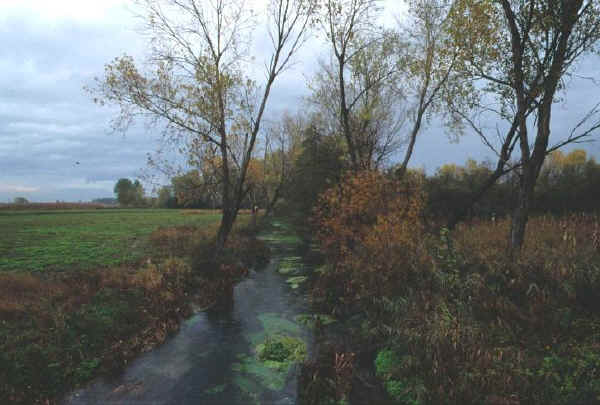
(282,146)
(449,190)
(318,166)
(429,66)
(21,200)
(166,198)
(568,183)
(129,193)
(516,55)
(364,55)
(383,84)
(191,190)
(198,88)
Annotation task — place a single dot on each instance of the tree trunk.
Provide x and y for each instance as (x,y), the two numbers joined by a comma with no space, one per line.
(518,224)
(413,138)
(271,204)
(225,227)
(520,215)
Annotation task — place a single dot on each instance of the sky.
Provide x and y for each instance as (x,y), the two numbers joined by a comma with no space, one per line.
(56,144)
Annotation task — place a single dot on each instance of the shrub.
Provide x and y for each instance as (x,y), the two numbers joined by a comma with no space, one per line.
(460,322)
(486,330)
(370,228)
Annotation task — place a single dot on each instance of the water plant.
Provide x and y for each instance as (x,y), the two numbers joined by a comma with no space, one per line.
(295,282)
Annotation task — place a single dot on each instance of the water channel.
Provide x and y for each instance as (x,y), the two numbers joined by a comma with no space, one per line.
(212,359)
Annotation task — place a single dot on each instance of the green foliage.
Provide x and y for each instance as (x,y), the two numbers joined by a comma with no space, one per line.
(318,166)
(404,393)
(570,379)
(389,366)
(386,362)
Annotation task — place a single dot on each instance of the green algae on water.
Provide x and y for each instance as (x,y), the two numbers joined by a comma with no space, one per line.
(280,350)
(290,265)
(247,386)
(297,279)
(260,375)
(273,324)
(311,320)
(295,282)
(270,367)
(281,238)
(217,389)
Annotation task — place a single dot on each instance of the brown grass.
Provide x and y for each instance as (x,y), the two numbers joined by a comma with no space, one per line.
(471,326)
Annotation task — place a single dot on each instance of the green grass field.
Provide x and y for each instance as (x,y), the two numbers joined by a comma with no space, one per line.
(84,239)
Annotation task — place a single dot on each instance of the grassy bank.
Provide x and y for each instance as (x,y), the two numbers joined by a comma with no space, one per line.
(59,329)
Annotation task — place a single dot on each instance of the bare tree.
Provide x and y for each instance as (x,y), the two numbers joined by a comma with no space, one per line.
(384,84)
(348,26)
(283,143)
(196,84)
(427,66)
(374,108)
(516,55)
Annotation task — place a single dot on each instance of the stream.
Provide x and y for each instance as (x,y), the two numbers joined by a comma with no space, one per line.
(213,358)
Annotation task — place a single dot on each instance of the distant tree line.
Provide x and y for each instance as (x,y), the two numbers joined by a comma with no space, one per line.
(567,183)
(106,201)
(312,160)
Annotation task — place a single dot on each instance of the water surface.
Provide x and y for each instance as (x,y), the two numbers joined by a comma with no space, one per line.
(212,358)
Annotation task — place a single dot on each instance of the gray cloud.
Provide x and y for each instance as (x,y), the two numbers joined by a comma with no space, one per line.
(48,123)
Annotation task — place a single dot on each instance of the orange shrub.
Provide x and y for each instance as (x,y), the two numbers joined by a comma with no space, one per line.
(370,228)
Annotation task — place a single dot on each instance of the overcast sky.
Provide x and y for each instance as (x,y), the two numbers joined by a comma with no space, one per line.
(55,144)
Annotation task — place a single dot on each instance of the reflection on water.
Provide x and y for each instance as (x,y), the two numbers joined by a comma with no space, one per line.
(211,360)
